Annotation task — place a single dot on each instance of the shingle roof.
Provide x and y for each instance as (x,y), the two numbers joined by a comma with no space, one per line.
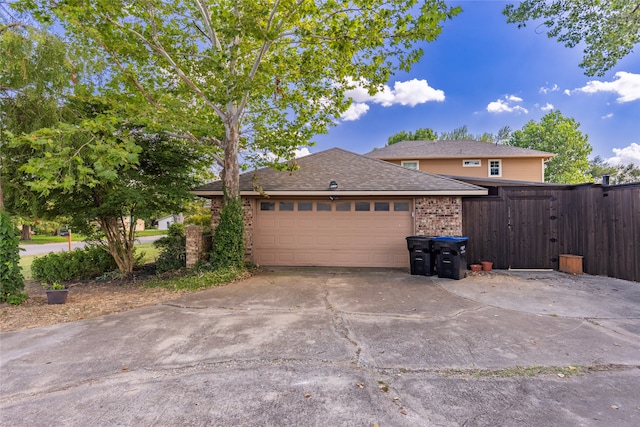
(409,150)
(354,173)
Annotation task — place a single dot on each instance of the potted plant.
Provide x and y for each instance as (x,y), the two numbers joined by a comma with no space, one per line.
(56,293)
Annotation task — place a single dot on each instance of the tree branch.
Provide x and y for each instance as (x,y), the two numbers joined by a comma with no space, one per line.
(159,49)
(213,37)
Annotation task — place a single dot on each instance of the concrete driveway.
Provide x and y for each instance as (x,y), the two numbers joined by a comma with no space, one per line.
(347,347)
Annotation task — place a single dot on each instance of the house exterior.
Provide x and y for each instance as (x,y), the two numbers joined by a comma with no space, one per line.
(342,209)
(475,159)
(126,220)
(166,221)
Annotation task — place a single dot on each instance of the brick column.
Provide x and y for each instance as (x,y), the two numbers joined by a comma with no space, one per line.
(195,244)
(439,216)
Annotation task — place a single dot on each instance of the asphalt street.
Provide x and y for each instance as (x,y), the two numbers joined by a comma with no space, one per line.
(34,249)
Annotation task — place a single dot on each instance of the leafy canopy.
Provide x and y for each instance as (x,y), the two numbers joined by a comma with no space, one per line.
(273,72)
(610,29)
(104,167)
(458,134)
(557,134)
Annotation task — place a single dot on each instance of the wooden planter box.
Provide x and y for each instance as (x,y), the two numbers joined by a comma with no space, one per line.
(571,264)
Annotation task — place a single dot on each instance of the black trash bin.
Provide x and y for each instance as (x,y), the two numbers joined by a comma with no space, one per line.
(421,255)
(451,253)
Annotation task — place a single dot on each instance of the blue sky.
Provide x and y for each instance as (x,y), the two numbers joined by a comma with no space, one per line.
(485,73)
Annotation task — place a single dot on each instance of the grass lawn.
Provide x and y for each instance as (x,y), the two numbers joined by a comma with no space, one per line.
(42,239)
(151,254)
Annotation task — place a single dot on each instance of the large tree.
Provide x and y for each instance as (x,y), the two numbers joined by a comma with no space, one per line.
(557,134)
(610,29)
(102,167)
(273,72)
(36,73)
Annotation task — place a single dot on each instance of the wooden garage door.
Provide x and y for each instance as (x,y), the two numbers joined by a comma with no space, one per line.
(350,233)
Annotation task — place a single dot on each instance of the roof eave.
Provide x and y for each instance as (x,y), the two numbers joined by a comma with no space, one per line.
(468,156)
(470,192)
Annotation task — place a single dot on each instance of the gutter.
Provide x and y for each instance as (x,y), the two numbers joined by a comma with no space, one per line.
(478,192)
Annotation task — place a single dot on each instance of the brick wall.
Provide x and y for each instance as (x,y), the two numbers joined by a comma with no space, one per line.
(247,212)
(439,216)
(198,245)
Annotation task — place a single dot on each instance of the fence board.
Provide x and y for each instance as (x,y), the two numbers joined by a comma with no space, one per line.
(602,224)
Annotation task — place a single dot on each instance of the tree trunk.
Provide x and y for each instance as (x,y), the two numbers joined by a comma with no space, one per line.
(231,170)
(26,232)
(119,247)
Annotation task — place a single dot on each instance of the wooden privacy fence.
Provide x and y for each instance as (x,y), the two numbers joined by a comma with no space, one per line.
(530,226)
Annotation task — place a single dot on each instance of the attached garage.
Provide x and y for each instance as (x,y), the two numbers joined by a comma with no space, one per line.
(354,233)
(342,209)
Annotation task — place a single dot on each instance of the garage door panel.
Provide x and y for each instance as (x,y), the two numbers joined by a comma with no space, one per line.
(345,238)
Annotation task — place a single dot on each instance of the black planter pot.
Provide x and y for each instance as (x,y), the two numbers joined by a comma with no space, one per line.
(57,296)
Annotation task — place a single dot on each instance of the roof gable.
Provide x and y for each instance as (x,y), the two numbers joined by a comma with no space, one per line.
(451,149)
(354,174)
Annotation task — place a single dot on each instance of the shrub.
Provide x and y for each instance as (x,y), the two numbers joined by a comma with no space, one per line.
(202,220)
(11,279)
(173,249)
(87,263)
(228,238)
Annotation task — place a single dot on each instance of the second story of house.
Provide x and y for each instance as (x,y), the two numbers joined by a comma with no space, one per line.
(476,159)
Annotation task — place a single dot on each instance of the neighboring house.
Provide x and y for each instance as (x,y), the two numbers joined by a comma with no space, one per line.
(467,158)
(342,209)
(166,221)
(139,223)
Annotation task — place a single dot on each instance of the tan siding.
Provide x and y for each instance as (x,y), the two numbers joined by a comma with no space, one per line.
(518,169)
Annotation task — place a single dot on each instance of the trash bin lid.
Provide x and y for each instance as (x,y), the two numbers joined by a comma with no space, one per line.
(451,239)
(410,238)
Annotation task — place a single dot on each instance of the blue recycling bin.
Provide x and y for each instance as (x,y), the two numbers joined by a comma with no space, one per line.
(421,255)
(451,254)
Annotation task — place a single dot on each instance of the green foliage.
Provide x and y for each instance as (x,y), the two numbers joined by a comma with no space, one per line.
(458,134)
(172,249)
(228,237)
(560,135)
(619,174)
(11,279)
(102,167)
(87,263)
(201,220)
(422,134)
(610,29)
(199,279)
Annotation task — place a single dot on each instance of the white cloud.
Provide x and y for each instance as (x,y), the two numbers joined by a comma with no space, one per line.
(304,151)
(411,93)
(547,107)
(626,155)
(553,88)
(626,85)
(500,106)
(567,92)
(607,116)
(355,111)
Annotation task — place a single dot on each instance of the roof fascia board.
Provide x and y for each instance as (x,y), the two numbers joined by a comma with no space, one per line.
(478,192)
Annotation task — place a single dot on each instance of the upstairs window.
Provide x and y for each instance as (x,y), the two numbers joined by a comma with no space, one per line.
(495,168)
(410,164)
(471,163)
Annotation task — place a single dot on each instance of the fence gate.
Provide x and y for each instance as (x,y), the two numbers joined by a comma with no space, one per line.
(533,232)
